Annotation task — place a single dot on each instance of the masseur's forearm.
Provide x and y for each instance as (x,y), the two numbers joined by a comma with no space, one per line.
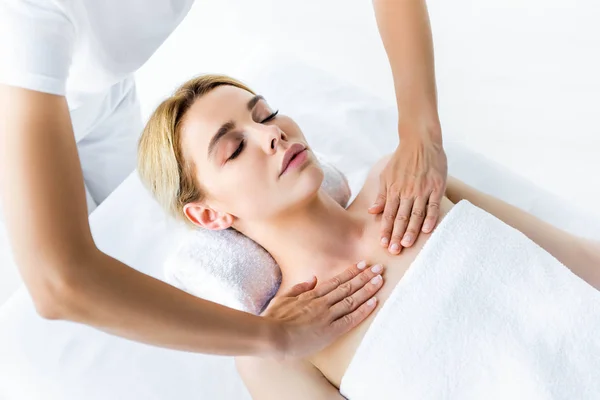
(125,302)
(406,34)
(68,277)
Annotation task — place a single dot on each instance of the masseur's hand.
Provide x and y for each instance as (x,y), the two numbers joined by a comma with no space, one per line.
(310,318)
(411,188)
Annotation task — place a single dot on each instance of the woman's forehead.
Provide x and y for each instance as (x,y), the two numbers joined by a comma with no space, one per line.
(221,101)
(215,108)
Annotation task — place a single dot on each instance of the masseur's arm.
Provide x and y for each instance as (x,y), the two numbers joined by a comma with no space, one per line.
(69,278)
(412,185)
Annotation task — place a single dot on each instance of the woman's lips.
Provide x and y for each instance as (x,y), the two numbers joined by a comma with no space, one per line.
(296,161)
(290,153)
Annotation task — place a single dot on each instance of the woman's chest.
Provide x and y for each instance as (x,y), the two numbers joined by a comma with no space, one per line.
(335,359)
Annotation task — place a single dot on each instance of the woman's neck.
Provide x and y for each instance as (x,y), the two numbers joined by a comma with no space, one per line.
(315,239)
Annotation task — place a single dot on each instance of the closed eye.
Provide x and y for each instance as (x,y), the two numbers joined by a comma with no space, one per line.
(270,117)
(237,151)
(242,144)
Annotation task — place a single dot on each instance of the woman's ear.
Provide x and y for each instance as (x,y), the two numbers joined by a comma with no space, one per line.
(205,217)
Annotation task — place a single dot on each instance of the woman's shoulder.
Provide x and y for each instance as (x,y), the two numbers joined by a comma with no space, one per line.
(368,192)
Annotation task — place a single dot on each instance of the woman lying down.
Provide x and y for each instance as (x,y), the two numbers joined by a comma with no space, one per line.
(474,310)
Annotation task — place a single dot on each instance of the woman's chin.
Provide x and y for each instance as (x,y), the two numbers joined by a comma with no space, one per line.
(310,179)
(307,186)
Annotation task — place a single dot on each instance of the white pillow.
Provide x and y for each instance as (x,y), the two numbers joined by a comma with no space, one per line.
(229,268)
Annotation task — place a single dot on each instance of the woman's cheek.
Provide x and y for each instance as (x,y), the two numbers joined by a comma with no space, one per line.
(290,128)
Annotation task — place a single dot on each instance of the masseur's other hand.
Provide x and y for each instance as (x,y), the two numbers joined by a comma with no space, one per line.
(410,191)
(310,318)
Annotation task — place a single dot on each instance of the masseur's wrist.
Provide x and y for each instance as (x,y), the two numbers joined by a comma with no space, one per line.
(273,341)
(424,129)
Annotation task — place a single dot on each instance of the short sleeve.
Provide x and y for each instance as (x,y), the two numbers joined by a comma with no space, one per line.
(36,44)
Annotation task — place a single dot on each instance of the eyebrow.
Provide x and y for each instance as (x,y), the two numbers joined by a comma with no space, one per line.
(223,130)
(229,126)
(253,101)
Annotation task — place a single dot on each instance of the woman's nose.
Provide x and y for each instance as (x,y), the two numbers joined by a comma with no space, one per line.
(272,137)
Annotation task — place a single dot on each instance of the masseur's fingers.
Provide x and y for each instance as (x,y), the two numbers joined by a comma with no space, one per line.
(387,220)
(433,211)
(308,322)
(335,282)
(379,204)
(351,303)
(343,293)
(300,288)
(348,321)
(400,224)
(417,217)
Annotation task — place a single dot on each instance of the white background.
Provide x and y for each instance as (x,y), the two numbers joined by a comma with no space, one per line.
(517,79)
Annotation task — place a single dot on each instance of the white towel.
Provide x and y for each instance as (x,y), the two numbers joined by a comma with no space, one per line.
(482,313)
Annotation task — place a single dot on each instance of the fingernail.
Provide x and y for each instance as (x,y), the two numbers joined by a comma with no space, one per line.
(385,241)
(394,248)
(361,265)
(406,240)
(371,302)
(377,268)
(373,205)
(376,280)
(427,226)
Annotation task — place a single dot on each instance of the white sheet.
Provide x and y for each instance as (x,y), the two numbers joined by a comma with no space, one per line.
(59,360)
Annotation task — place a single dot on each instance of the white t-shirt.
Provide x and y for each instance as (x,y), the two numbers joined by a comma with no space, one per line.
(88,51)
(82,48)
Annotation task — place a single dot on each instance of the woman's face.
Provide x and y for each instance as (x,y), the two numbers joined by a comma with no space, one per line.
(250,162)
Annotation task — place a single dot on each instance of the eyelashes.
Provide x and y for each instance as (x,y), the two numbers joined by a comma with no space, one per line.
(270,117)
(238,150)
(242,144)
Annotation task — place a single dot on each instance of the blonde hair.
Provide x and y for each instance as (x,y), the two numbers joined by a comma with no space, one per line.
(161,165)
